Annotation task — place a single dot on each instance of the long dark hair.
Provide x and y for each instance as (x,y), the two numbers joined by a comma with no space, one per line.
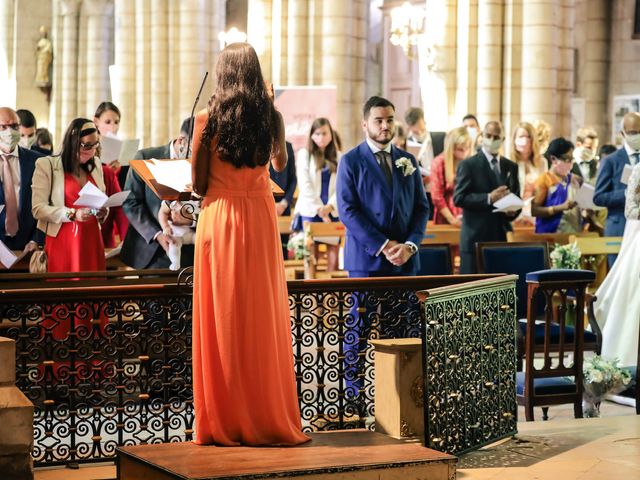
(70,151)
(242,117)
(330,154)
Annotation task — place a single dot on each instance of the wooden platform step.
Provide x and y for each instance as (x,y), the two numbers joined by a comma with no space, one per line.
(337,455)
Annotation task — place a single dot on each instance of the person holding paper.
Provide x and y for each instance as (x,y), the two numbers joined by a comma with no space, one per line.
(73,241)
(610,189)
(482,180)
(244,389)
(553,204)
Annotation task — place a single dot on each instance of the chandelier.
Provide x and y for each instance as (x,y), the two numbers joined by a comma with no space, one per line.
(406,26)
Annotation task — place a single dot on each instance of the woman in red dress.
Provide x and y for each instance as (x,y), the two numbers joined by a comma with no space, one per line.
(73,240)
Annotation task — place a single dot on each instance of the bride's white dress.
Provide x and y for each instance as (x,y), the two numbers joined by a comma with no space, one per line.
(617,307)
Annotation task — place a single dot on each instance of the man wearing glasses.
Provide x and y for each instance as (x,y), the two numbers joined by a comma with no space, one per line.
(17,226)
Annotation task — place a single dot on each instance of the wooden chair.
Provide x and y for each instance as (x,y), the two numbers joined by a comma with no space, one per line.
(520,259)
(435,259)
(317,230)
(555,382)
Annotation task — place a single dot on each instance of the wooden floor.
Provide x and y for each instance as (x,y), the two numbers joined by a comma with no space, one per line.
(340,454)
(564,452)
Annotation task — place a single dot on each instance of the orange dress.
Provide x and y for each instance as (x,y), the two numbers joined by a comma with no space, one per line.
(243,376)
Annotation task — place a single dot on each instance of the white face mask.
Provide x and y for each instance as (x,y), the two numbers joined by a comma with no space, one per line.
(521,142)
(633,141)
(9,139)
(473,133)
(493,146)
(582,154)
(26,142)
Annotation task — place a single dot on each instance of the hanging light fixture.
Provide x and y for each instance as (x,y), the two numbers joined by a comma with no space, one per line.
(406,26)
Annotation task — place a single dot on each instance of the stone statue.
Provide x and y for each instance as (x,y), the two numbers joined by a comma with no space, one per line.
(44,57)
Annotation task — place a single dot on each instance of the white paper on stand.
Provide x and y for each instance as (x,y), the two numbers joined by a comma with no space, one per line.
(626,174)
(112,148)
(174,174)
(7,257)
(92,197)
(584,197)
(508,203)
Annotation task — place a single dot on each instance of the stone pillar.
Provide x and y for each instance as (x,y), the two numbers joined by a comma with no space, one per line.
(7,64)
(539,34)
(489,81)
(466,59)
(124,71)
(565,22)
(512,70)
(16,420)
(297,44)
(68,63)
(143,71)
(259,33)
(98,54)
(161,130)
(437,57)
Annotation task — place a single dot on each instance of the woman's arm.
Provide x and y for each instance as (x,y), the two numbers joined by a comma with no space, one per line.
(41,186)
(279,149)
(200,156)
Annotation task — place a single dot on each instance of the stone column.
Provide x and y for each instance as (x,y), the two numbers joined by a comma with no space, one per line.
(466,58)
(7,64)
(259,33)
(512,70)
(99,13)
(124,71)
(490,42)
(143,71)
(565,22)
(297,42)
(539,100)
(68,63)
(161,131)
(437,57)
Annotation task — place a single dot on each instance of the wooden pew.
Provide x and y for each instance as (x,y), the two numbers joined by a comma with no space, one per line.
(550,238)
(284,225)
(594,251)
(315,231)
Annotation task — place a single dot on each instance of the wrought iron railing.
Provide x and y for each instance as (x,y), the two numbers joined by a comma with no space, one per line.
(107,361)
(469,364)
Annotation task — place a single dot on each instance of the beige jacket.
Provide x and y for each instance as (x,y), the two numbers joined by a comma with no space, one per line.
(51,216)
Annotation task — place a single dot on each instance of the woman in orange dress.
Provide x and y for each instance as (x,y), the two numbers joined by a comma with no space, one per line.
(243,376)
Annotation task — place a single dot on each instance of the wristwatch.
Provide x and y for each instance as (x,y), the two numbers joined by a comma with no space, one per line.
(413,248)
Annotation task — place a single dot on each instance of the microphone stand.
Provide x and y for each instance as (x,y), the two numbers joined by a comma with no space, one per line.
(193,111)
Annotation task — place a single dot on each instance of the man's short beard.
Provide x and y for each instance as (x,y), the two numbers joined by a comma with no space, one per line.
(385,142)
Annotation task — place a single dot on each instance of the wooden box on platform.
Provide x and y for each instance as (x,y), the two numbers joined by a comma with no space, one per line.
(398,398)
(337,455)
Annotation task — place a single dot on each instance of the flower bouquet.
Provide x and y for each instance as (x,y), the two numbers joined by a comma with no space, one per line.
(566,256)
(601,378)
(299,244)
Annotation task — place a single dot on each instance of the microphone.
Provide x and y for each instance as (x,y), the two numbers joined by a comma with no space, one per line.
(193,111)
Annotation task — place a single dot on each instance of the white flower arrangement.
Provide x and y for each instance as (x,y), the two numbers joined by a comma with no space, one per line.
(566,256)
(406,165)
(600,378)
(299,244)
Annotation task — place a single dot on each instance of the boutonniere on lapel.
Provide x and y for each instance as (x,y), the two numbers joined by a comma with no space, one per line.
(405,165)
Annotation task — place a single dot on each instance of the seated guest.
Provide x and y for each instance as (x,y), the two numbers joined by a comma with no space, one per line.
(107,120)
(553,204)
(316,169)
(28,127)
(17,225)
(286,180)
(457,145)
(73,242)
(482,180)
(44,142)
(145,245)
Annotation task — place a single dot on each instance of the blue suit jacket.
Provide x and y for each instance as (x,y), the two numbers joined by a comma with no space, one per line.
(27,230)
(610,192)
(373,211)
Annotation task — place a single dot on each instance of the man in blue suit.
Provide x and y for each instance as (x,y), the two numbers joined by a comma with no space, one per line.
(381,200)
(17,226)
(610,191)
(382,203)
